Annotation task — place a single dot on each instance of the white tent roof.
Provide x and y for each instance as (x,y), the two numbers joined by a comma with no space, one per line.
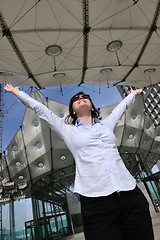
(79,32)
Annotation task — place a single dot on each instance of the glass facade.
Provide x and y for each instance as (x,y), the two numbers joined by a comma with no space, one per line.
(14,215)
(56,209)
(142,173)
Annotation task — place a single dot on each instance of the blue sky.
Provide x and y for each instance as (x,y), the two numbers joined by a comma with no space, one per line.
(14,110)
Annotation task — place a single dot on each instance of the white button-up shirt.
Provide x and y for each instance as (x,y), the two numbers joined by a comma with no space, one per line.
(100,170)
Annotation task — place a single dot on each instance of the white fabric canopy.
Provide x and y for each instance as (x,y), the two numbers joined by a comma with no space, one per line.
(79,32)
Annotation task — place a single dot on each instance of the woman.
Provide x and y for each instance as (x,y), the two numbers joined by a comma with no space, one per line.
(113,208)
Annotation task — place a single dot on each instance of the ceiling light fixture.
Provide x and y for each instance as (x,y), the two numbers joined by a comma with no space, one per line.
(15,148)
(6,74)
(53,50)
(63,158)
(131,136)
(38,145)
(18,164)
(114,46)
(40,165)
(149,70)
(35,123)
(59,75)
(21,177)
(106,70)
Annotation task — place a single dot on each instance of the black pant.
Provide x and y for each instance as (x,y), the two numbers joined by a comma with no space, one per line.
(123,216)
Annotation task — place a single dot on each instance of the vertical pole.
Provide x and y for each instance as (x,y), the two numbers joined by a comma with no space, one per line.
(1,236)
(45,220)
(26,229)
(1,118)
(36,217)
(1,178)
(12,222)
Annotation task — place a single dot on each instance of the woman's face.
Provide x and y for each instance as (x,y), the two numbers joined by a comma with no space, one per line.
(81,103)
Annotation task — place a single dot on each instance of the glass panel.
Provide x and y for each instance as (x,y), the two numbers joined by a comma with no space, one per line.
(30,231)
(155,193)
(51,213)
(6,222)
(40,208)
(23,213)
(75,212)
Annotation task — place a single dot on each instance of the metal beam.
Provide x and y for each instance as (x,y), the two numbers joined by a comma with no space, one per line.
(153,28)
(7,33)
(86,30)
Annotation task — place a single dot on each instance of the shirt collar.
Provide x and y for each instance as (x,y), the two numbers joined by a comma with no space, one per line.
(81,122)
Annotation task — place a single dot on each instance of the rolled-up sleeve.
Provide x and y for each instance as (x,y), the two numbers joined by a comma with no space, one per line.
(44,113)
(113,119)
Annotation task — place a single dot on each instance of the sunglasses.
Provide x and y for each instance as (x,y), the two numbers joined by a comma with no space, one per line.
(84,96)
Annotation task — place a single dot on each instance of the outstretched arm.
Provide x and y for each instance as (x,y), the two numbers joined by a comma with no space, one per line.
(113,119)
(40,109)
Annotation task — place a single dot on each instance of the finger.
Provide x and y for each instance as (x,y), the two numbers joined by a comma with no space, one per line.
(7,86)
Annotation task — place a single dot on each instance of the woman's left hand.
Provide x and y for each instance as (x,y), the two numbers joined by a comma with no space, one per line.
(136,91)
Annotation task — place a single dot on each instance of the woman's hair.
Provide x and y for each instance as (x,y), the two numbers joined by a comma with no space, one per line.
(71,118)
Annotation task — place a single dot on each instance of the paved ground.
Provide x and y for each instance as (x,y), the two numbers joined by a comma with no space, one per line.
(156,227)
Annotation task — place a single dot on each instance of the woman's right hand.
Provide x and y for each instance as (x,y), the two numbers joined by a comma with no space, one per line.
(10,88)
